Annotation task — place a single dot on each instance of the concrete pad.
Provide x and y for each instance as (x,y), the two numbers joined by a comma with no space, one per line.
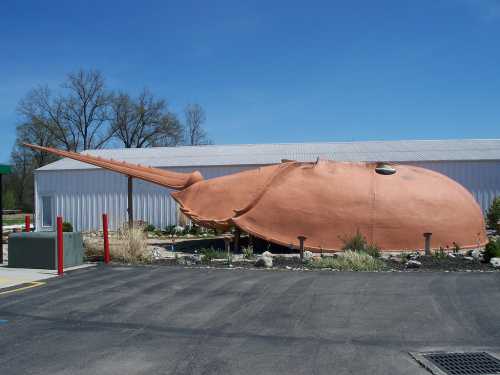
(10,277)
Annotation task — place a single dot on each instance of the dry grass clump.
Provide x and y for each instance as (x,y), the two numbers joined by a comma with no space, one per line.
(128,245)
(349,261)
(94,247)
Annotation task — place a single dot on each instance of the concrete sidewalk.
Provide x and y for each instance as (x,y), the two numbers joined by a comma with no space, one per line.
(10,277)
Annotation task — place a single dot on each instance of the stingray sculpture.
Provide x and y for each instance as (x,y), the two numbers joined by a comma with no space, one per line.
(324,201)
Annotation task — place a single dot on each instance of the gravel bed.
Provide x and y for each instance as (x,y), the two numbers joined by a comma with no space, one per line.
(428,263)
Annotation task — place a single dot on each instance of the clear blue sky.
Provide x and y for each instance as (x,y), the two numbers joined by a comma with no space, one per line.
(272,71)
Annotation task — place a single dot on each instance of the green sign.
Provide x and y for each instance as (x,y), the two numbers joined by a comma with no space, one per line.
(5,169)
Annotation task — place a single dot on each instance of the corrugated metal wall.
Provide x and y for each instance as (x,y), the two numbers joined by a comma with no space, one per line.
(81,196)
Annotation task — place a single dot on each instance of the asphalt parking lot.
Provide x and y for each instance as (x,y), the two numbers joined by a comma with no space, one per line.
(167,320)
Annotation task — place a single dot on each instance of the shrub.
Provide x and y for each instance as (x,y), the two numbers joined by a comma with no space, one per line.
(358,242)
(248,252)
(210,254)
(149,228)
(492,249)
(372,250)
(170,229)
(439,254)
(195,230)
(354,243)
(493,214)
(67,227)
(349,261)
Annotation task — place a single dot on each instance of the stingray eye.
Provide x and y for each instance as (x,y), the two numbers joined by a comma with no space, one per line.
(384,169)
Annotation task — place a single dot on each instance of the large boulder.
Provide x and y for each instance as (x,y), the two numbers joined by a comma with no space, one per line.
(413,264)
(495,262)
(265,260)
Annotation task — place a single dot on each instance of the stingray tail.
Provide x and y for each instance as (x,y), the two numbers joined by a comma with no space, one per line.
(171,180)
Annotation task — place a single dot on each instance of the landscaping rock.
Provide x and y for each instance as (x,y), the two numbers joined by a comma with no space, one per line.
(413,264)
(192,259)
(414,256)
(477,254)
(308,255)
(156,252)
(265,260)
(495,262)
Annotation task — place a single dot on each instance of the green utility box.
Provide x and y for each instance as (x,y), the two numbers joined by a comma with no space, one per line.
(39,250)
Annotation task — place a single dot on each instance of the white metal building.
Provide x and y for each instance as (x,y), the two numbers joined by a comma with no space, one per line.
(81,192)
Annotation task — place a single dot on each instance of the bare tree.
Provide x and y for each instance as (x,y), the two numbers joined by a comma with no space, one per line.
(123,119)
(74,119)
(195,118)
(77,119)
(169,131)
(144,122)
(24,161)
(36,133)
(85,109)
(43,118)
(83,115)
(20,182)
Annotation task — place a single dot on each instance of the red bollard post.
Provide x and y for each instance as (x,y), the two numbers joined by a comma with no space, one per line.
(27,223)
(106,238)
(60,246)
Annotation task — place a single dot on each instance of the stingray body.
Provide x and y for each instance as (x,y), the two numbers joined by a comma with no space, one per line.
(325,202)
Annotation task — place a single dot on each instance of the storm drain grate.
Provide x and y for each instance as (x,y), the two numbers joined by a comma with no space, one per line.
(479,363)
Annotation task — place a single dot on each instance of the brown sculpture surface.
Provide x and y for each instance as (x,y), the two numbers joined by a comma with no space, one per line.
(325,201)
